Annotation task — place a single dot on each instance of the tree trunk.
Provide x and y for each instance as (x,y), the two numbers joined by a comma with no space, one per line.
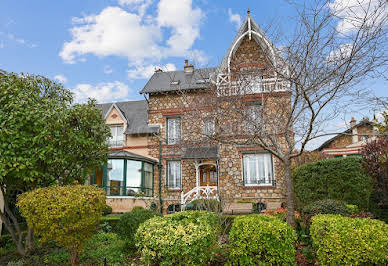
(289,193)
(29,238)
(74,258)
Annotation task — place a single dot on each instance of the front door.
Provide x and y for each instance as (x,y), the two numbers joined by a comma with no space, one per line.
(208,175)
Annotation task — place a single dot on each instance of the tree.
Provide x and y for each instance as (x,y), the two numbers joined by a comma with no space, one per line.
(332,49)
(44,140)
(68,215)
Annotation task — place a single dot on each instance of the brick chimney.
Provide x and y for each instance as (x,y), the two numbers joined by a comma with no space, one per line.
(353,123)
(188,68)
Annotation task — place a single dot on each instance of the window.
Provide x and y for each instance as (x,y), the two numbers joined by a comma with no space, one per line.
(174,174)
(258,169)
(253,120)
(208,127)
(173,130)
(124,177)
(117,138)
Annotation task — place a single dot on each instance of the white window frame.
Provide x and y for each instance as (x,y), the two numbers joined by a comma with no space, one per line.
(253,114)
(172,137)
(269,172)
(168,183)
(115,138)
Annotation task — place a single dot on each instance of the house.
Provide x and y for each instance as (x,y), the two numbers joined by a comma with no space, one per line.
(349,142)
(150,162)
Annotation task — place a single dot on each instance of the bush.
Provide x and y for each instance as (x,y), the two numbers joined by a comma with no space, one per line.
(129,222)
(183,238)
(104,245)
(66,214)
(211,205)
(325,207)
(338,178)
(258,239)
(353,209)
(107,210)
(341,240)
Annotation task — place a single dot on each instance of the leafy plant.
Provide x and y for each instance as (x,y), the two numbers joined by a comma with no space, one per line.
(353,209)
(261,239)
(183,238)
(129,222)
(107,210)
(68,215)
(337,178)
(342,240)
(324,207)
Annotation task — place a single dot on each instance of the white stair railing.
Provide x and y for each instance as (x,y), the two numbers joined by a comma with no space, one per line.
(202,192)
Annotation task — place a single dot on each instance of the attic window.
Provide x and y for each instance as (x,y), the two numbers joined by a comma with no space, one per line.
(202,81)
(175,82)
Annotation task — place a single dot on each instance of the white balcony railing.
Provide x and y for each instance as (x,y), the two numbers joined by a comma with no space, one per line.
(115,143)
(226,87)
(202,192)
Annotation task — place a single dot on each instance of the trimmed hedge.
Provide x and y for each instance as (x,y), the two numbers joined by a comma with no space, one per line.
(129,222)
(259,239)
(341,240)
(327,206)
(337,178)
(183,238)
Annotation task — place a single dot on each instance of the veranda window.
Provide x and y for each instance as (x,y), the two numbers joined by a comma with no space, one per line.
(174,174)
(258,169)
(173,130)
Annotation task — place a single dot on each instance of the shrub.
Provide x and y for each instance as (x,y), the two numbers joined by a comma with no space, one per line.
(129,222)
(107,210)
(104,245)
(325,207)
(211,205)
(66,214)
(353,209)
(183,238)
(338,178)
(341,240)
(258,239)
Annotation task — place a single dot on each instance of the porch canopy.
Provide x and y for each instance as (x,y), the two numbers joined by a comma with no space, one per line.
(199,153)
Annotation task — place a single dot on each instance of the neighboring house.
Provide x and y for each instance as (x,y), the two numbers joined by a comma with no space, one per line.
(349,142)
(147,139)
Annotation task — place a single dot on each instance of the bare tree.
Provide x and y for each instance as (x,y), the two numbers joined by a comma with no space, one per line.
(287,103)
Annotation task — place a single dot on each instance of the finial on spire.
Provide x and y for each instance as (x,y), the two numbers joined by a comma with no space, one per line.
(248,12)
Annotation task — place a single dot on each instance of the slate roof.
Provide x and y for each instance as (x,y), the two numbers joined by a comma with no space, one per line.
(348,131)
(136,113)
(121,154)
(201,153)
(162,81)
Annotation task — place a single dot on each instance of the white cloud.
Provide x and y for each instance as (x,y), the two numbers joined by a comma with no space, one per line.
(102,92)
(234,18)
(145,72)
(108,70)
(140,6)
(60,78)
(117,32)
(352,12)
(341,54)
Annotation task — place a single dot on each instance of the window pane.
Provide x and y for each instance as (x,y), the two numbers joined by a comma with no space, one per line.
(148,170)
(257,168)
(115,176)
(174,174)
(133,177)
(174,130)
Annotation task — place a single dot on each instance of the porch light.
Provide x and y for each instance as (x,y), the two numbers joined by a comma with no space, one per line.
(230,164)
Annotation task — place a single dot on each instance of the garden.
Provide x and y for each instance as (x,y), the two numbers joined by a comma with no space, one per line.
(334,226)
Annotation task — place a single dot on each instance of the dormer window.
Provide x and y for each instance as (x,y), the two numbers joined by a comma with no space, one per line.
(117,138)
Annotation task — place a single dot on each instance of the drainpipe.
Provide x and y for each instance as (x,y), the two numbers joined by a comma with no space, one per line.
(160,175)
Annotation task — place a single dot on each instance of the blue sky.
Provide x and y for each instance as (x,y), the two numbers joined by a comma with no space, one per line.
(107,49)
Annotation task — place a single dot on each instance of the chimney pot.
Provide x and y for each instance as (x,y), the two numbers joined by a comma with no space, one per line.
(353,122)
(188,68)
(186,63)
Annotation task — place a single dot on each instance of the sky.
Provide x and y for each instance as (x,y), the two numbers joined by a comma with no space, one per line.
(108,49)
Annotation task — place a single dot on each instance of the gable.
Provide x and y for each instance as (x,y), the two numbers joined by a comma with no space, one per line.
(115,116)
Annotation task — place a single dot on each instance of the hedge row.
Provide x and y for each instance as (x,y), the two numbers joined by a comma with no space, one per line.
(341,240)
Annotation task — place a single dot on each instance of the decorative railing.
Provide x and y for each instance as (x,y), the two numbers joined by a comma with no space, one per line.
(115,143)
(202,192)
(227,87)
(128,191)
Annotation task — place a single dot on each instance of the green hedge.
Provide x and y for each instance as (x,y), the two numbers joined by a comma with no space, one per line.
(338,178)
(183,238)
(129,222)
(341,240)
(261,239)
(327,206)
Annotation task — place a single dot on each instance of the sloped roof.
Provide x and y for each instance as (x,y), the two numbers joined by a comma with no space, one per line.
(162,81)
(348,131)
(136,114)
(122,154)
(201,153)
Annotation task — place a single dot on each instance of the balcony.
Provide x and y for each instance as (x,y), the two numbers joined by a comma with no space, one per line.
(115,143)
(226,87)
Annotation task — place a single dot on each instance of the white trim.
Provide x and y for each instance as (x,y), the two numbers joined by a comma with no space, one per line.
(118,110)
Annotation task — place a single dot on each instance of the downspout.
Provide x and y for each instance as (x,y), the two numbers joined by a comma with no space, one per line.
(160,166)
